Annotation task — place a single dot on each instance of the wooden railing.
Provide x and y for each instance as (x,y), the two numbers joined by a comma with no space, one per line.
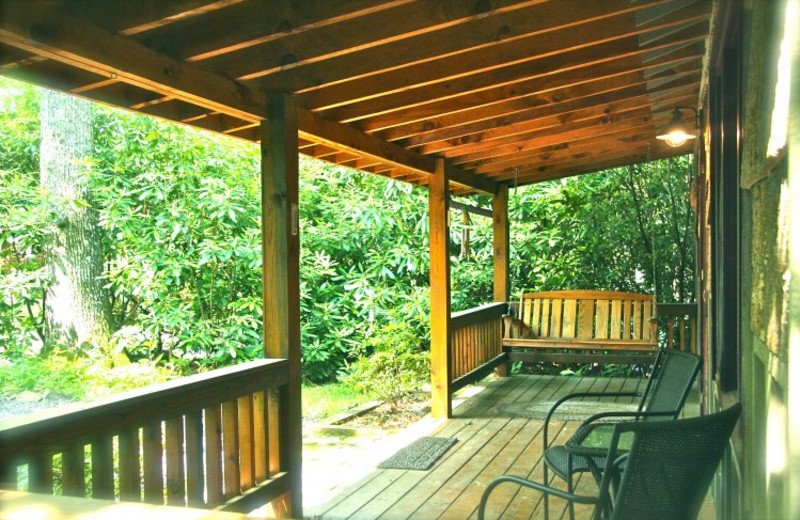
(209,440)
(677,326)
(476,342)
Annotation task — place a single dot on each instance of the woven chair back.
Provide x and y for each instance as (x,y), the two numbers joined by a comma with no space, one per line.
(670,466)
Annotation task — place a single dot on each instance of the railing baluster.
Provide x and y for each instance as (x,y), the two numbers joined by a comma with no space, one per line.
(475,338)
(671,332)
(274,428)
(245,427)
(194,458)
(40,473)
(683,322)
(176,480)
(153,463)
(72,471)
(129,467)
(103,468)
(680,322)
(173,443)
(230,449)
(213,431)
(260,442)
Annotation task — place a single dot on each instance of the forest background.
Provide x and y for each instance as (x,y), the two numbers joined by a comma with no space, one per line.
(178,216)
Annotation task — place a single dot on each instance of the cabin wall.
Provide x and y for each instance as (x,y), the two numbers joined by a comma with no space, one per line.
(751,237)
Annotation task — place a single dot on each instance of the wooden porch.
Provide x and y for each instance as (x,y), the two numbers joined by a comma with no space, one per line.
(494,437)
(458,97)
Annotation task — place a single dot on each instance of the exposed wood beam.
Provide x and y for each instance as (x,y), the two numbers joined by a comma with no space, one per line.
(36,28)
(676,63)
(441,366)
(469,208)
(500,245)
(600,156)
(556,123)
(136,16)
(606,68)
(370,30)
(435,23)
(83,45)
(642,120)
(463,92)
(508,166)
(596,166)
(620,140)
(344,137)
(281,285)
(251,24)
(570,106)
(584,130)
(467,179)
(547,29)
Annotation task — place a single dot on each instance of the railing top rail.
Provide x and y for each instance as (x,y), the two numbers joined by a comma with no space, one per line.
(587,295)
(148,404)
(476,314)
(675,309)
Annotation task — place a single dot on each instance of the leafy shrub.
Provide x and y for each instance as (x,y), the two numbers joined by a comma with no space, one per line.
(398,369)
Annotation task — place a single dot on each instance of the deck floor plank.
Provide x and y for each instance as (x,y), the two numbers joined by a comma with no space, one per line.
(491,442)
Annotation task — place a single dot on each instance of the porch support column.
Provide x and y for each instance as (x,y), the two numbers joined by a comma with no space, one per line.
(439,202)
(280,248)
(500,242)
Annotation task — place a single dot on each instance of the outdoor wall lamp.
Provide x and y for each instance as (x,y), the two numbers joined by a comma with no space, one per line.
(676,133)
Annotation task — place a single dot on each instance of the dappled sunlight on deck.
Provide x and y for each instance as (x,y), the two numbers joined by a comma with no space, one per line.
(498,433)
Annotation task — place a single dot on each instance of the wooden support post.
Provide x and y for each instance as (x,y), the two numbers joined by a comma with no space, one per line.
(500,242)
(500,254)
(281,283)
(441,369)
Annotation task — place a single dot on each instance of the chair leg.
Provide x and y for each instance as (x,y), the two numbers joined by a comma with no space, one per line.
(546,496)
(570,505)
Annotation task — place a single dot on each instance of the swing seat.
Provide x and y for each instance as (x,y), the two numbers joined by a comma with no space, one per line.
(581,326)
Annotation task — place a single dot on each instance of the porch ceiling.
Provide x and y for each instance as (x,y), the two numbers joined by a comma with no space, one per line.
(506,90)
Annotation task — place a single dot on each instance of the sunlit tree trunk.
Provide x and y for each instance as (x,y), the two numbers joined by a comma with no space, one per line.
(77,303)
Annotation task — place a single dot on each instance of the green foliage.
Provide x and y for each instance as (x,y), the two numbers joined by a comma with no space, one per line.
(397,368)
(71,378)
(329,399)
(628,229)
(24,224)
(364,265)
(181,213)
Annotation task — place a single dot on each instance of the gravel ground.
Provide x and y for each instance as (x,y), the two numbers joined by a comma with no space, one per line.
(29,402)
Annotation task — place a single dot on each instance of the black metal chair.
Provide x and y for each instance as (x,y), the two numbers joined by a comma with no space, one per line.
(664,475)
(670,381)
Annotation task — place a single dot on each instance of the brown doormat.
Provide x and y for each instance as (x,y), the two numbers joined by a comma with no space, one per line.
(419,455)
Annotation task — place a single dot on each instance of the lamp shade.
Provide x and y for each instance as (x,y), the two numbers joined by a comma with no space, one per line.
(676,133)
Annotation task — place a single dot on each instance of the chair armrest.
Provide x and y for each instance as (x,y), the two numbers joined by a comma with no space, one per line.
(577,395)
(513,327)
(580,499)
(598,419)
(654,328)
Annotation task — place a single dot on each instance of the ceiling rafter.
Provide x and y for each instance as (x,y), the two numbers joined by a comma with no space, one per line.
(543,98)
(640,98)
(522,89)
(569,105)
(565,30)
(81,44)
(508,82)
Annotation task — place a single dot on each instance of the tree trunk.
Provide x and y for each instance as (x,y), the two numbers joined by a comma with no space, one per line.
(78,310)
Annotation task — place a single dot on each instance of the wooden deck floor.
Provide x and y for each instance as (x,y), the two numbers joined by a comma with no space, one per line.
(492,440)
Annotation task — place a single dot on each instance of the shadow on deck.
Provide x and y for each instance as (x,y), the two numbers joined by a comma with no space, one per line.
(499,431)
